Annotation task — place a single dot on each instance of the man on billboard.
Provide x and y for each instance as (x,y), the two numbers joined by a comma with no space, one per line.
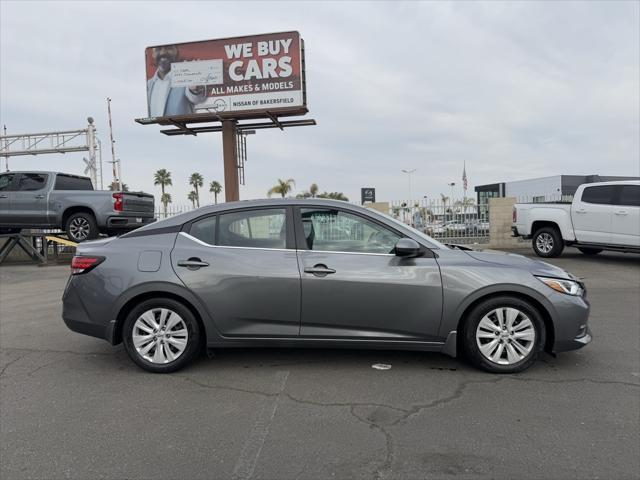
(163,99)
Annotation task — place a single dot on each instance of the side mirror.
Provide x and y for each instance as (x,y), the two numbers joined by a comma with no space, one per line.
(407,247)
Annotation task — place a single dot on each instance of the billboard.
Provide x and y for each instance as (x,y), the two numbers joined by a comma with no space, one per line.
(242,76)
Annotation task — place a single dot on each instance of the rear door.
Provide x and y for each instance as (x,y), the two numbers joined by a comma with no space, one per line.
(242,265)
(29,205)
(591,214)
(355,288)
(625,224)
(7,186)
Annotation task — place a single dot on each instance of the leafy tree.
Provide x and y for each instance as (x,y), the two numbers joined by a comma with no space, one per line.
(165,199)
(215,188)
(313,190)
(193,196)
(114,187)
(282,188)
(333,196)
(163,177)
(196,180)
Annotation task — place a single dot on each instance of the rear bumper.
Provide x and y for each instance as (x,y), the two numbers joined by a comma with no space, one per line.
(128,221)
(77,318)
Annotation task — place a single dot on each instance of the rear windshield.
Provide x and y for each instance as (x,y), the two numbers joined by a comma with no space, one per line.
(67,182)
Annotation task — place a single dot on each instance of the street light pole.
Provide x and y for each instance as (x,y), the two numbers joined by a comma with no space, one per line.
(409,172)
(452,184)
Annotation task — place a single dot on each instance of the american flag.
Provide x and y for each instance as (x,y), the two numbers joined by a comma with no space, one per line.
(464,177)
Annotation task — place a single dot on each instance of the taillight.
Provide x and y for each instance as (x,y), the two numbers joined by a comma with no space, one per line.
(515,215)
(81,264)
(117,203)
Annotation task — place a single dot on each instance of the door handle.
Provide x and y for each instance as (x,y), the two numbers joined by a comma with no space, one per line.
(192,263)
(582,210)
(319,270)
(39,196)
(621,212)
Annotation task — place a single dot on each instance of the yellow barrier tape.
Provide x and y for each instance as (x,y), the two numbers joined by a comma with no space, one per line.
(62,241)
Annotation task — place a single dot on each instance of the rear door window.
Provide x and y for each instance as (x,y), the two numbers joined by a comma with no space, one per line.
(602,195)
(30,182)
(263,228)
(204,230)
(630,196)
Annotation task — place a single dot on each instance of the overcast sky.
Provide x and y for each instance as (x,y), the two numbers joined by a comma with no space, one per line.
(517,90)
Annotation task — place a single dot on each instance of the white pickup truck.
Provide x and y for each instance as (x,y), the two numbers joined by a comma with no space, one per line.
(602,216)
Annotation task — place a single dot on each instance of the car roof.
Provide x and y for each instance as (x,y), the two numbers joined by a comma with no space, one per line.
(617,182)
(44,172)
(256,203)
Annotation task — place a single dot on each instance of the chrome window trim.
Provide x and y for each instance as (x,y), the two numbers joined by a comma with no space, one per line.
(205,244)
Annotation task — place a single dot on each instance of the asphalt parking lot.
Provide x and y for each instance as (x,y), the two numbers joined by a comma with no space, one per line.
(74,407)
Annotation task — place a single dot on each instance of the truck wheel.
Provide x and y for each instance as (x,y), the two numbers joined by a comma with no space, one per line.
(81,226)
(547,242)
(590,251)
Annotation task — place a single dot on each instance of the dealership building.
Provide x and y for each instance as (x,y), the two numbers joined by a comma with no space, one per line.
(556,188)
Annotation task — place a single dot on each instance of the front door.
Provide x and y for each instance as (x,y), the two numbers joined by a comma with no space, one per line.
(625,223)
(6,195)
(591,214)
(354,287)
(243,267)
(29,205)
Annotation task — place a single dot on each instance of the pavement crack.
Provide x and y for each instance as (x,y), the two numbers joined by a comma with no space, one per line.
(225,387)
(340,404)
(12,362)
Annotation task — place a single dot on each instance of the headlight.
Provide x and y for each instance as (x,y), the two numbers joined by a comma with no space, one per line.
(569,287)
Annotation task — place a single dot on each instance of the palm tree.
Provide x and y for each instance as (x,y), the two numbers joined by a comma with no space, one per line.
(196,180)
(465,203)
(283,187)
(162,177)
(445,199)
(215,188)
(193,196)
(165,199)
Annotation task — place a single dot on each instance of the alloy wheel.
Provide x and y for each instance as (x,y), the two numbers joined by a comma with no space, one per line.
(160,335)
(79,228)
(505,336)
(544,242)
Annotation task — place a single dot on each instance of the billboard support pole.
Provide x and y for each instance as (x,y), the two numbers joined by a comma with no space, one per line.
(231,184)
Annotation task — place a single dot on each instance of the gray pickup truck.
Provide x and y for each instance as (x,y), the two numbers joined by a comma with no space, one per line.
(69,202)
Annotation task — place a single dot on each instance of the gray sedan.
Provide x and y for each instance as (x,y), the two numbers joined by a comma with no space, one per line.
(296,273)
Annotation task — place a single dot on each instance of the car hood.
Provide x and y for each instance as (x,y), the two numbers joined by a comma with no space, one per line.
(536,267)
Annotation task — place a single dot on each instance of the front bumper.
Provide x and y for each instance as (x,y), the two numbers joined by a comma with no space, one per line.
(571,327)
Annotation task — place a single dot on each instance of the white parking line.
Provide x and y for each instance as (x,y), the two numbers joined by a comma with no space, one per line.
(253,446)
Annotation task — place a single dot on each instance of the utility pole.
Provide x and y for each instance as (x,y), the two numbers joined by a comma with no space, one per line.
(116,179)
(6,159)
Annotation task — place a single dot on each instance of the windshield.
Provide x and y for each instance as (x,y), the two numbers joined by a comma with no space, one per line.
(420,234)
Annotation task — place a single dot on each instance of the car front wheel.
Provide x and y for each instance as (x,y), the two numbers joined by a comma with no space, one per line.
(161,335)
(504,335)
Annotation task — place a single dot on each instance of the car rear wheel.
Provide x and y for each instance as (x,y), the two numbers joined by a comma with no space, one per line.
(547,242)
(590,251)
(81,226)
(504,335)
(162,335)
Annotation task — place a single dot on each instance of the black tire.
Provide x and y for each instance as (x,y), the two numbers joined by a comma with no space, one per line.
(81,226)
(547,242)
(590,251)
(194,340)
(471,350)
